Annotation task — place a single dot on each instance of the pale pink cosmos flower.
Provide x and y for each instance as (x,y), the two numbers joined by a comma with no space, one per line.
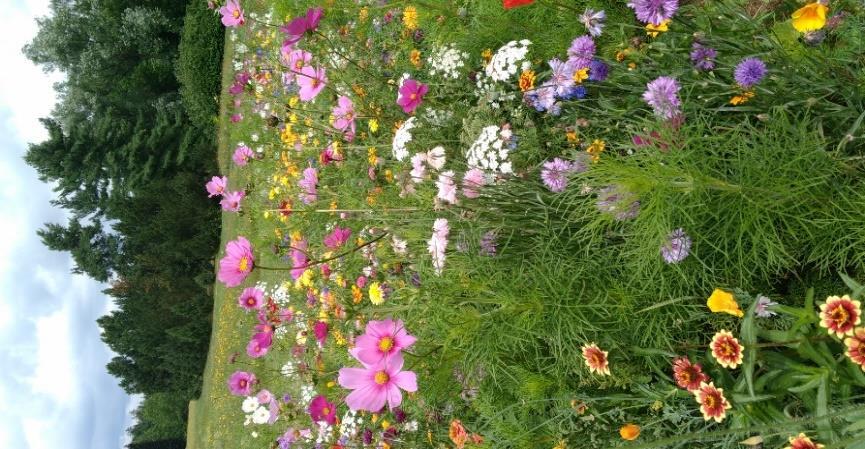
(473,180)
(383,339)
(299,258)
(447,188)
(437,244)
(232,14)
(411,95)
(297,60)
(309,186)
(377,384)
(418,167)
(343,114)
(311,81)
(242,155)
(436,157)
(216,186)
(251,298)
(237,263)
(231,201)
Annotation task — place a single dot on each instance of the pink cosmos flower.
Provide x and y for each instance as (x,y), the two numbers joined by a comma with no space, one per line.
(216,186)
(447,188)
(240,383)
(232,14)
(237,263)
(337,238)
(411,95)
(299,259)
(231,201)
(251,299)
(259,345)
(321,410)
(320,329)
(328,155)
(436,157)
(437,244)
(309,186)
(418,167)
(300,25)
(377,384)
(297,60)
(311,81)
(343,114)
(242,155)
(472,181)
(382,340)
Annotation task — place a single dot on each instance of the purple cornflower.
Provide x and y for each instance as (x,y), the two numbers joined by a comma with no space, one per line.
(581,52)
(555,174)
(702,57)
(575,93)
(662,95)
(654,11)
(488,243)
(562,78)
(762,308)
(618,202)
(543,99)
(677,247)
(598,70)
(593,21)
(749,72)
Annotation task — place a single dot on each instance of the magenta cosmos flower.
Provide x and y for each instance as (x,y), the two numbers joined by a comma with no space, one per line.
(237,263)
(343,115)
(411,95)
(216,186)
(300,261)
(377,384)
(321,410)
(297,60)
(259,345)
(242,155)
(301,25)
(232,14)
(382,340)
(337,237)
(231,201)
(252,298)
(240,383)
(311,81)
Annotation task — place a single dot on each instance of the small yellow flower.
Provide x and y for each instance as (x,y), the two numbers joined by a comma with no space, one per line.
(372,156)
(629,432)
(581,75)
(740,99)
(363,14)
(414,57)
(562,444)
(409,18)
(356,294)
(388,175)
(632,65)
(572,137)
(595,149)
(527,80)
(385,424)
(621,54)
(293,101)
(373,125)
(653,30)
(810,17)
(376,295)
(487,55)
(721,301)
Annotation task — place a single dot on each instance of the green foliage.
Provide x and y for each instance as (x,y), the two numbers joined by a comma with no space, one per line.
(198,64)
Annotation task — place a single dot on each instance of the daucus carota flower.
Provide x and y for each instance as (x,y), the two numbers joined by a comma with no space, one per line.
(677,247)
(595,359)
(242,155)
(654,11)
(810,17)
(763,309)
(802,441)
(856,347)
(411,95)
(726,349)
(703,57)
(343,115)
(839,315)
(473,180)
(447,190)
(237,263)
(712,402)
(581,52)
(593,21)
(382,340)
(662,95)
(377,384)
(337,237)
(554,174)
(231,201)
(401,138)
(252,298)
(232,14)
(216,186)
(749,72)
(322,411)
(688,375)
(240,383)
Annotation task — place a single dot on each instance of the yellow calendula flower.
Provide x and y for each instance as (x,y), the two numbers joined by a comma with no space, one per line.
(595,149)
(629,432)
(527,80)
(810,17)
(721,301)
(376,294)
(409,18)
(414,57)
(653,30)
(740,99)
(373,125)
(581,75)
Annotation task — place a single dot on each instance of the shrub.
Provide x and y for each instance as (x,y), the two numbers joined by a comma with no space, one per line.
(198,65)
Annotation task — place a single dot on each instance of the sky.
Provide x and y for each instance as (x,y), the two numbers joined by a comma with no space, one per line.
(54,388)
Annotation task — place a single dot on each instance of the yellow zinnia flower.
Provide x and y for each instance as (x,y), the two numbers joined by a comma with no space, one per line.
(721,301)
(810,17)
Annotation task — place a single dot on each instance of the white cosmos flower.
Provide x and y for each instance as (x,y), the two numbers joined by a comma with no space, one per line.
(261,415)
(250,404)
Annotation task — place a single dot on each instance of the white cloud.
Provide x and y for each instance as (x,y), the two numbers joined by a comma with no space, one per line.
(36,432)
(55,369)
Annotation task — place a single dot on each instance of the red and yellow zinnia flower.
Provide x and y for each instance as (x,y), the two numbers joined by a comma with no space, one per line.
(810,17)
(687,375)
(801,441)
(840,315)
(712,402)
(727,350)
(596,359)
(856,347)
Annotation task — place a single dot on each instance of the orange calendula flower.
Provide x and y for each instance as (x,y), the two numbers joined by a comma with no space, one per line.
(527,80)
(653,30)
(687,375)
(840,315)
(721,301)
(457,434)
(712,402)
(629,432)
(727,350)
(414,58)
(596,359)
(802,441)
(810,17)
(856,347)
(741,99)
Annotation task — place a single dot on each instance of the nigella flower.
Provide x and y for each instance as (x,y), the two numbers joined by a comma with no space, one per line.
(662,95)
(598,70)
(749,72)
(593,21)
(555,174)
(703,57)
(581,52)
(577,92)
(677,247)
(654,12)
(762,309)
(488,244)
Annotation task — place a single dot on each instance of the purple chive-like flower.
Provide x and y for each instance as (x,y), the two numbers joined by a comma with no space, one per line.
(654,11)
(581,52)
(662,95)
(555,174)
(677,247)
(593,21)
(598,70)
(749,72)
(762,309)
(618,202)
(703,57)
(488,243)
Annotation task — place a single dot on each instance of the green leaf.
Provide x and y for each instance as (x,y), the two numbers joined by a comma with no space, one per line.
(745,399)
(857,288)
(810,385)
(749,340)
(824,427)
